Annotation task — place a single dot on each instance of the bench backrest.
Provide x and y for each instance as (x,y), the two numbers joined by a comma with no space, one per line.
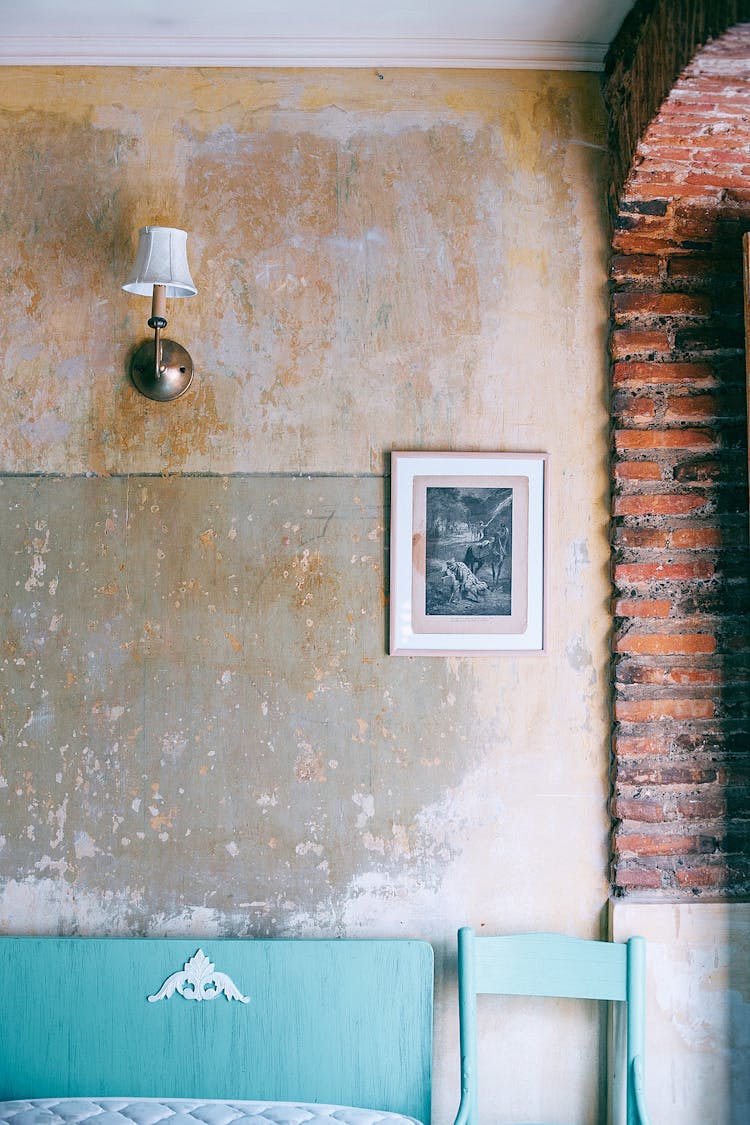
(345,1022)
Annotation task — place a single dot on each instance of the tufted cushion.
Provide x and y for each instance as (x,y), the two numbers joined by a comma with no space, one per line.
(186,1111)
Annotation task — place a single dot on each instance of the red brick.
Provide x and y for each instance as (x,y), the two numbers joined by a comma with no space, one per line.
(701,876)
(666,644)
(667,131)
(636,341)
(646,878)
(638,410)
(664,439)
(687,408)
(684,267)
(661,167)
(633,668)
(644,810)
(638,371)
(697,472)
(675,154)
(693,228)
(711,154)
(638,470)
(660,304)
(643,186)
(697,213)
(626,745)
(643,537)
(702,808)
(655,710)
(696,675)
(718,142)
(634,265)
(717,154)
(688,107)
(699,84)
(642,607)
(661,844)
(721,179)
(638,773)
(659,572)
(639,242)
(685,205)
(703,171)
(656,504)
(631,673)
(696,538)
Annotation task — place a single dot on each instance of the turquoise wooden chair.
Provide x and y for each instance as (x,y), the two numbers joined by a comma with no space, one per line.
(551,965)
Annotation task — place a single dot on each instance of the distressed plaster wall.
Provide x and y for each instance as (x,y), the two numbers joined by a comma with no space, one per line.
(698,1008)
(201,732)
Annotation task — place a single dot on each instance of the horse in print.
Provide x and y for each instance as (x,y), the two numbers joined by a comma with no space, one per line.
(490,552)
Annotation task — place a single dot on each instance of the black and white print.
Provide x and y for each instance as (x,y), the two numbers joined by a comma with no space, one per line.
(469,539)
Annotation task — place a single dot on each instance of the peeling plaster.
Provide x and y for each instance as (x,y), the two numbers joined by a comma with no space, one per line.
(698,1007)
(161,736)
(200,732)
(157,753)
(399,246)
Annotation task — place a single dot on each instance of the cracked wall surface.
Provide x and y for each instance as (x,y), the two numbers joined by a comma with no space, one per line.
(201,730)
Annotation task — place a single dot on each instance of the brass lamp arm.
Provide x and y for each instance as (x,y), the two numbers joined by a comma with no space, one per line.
(158,322)
(164,370)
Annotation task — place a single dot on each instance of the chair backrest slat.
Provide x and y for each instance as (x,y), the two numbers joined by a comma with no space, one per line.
(551,965)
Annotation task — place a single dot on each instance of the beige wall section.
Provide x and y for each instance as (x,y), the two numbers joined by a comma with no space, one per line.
(201,730)
(698,1008)
(406,263)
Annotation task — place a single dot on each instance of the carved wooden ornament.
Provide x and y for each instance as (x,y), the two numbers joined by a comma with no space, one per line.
(198,980)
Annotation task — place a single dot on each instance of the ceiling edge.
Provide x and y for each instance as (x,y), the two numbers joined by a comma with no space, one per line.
(148,50)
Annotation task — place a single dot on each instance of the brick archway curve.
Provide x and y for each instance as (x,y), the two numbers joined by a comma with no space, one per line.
(678,93)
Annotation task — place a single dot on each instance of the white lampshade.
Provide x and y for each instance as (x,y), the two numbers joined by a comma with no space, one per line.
(161,260)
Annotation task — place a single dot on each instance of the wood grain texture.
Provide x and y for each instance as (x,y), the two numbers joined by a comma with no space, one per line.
(346,1022)
(550,965)
(559,966)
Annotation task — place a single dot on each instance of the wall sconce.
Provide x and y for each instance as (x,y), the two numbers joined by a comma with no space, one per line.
(161,369)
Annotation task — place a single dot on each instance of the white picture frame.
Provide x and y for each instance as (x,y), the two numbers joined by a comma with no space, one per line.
(468,553)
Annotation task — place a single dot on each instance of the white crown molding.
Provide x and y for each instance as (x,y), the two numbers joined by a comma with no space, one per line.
(149,50)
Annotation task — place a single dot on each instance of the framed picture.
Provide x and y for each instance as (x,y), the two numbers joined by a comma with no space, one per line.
(468,546)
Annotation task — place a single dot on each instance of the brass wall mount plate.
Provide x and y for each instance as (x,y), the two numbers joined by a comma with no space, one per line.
(175,371)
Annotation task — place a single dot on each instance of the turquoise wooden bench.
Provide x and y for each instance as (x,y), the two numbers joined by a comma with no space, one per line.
(551,965)
(336,1022)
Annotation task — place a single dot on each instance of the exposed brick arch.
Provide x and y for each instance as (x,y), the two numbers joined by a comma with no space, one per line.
(681,202)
